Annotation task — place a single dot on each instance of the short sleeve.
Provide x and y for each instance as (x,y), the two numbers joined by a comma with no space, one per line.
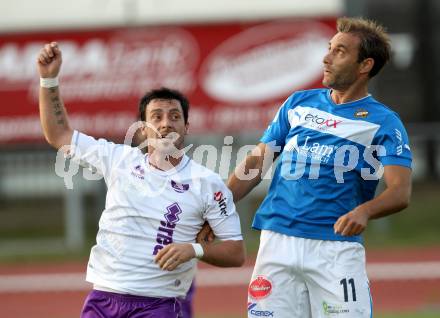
(99,155)
(394,138)
(221,213)
(279,127)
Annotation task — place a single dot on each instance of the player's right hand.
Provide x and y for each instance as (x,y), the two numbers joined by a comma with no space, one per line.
(173,255)
(49,60)
(352,223)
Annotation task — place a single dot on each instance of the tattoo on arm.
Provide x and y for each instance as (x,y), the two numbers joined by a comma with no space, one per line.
(57,106)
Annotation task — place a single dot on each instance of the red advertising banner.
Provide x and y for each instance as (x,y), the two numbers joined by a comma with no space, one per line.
(235,75)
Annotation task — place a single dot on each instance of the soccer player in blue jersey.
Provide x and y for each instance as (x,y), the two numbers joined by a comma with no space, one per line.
(334,144)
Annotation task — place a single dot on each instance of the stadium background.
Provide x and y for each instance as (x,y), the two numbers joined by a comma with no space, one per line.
(236,60)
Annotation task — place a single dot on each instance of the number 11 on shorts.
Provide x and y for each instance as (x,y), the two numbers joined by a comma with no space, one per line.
(343,282)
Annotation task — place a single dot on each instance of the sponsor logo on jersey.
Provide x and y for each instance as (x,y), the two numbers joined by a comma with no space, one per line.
(138,172)
(218,196)
(259,313)
(309,149)
(306,116)
(361,113)
(356,130)
(179,187)
(322,122)
(166,229)
(330,309)
(172,216)
(297,114)
(260,288)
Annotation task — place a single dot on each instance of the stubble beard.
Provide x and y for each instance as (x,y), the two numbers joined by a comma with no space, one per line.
(338,82)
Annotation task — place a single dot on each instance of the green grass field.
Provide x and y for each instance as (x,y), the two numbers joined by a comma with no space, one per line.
(415,226)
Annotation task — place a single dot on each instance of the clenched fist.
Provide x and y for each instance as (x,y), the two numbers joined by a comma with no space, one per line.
(49,60)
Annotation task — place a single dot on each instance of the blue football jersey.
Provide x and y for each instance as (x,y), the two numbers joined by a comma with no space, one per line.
(332,156)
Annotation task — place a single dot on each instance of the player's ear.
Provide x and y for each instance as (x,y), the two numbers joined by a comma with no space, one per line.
(366,66)
(144,128)
(186,128)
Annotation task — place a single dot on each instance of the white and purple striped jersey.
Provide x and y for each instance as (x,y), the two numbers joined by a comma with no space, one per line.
(332,157)
(147,209)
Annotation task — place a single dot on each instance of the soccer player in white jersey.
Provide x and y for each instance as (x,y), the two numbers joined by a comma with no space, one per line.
(333,145)
(145,255)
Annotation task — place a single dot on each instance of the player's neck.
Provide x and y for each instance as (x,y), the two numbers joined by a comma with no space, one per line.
(353,93)
(163,161)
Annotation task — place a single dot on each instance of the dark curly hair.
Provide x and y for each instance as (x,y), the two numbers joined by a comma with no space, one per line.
(163,93)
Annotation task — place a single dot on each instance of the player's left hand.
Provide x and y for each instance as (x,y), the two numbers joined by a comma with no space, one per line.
(352,223)
(173,255)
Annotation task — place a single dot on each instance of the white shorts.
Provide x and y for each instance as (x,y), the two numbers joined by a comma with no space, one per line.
(300,278)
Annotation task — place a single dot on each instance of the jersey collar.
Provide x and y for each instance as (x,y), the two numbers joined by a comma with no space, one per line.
(182,164)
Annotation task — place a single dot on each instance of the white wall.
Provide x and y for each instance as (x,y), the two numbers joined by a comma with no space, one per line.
(27,15)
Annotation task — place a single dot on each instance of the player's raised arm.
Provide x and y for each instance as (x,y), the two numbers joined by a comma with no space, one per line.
(53,115)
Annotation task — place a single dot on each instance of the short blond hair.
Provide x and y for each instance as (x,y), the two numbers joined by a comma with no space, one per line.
(375,42)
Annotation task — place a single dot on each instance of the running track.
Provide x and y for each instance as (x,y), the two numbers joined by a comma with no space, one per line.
(401,280)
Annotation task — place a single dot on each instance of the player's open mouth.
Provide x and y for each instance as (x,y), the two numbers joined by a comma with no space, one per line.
(170,135)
